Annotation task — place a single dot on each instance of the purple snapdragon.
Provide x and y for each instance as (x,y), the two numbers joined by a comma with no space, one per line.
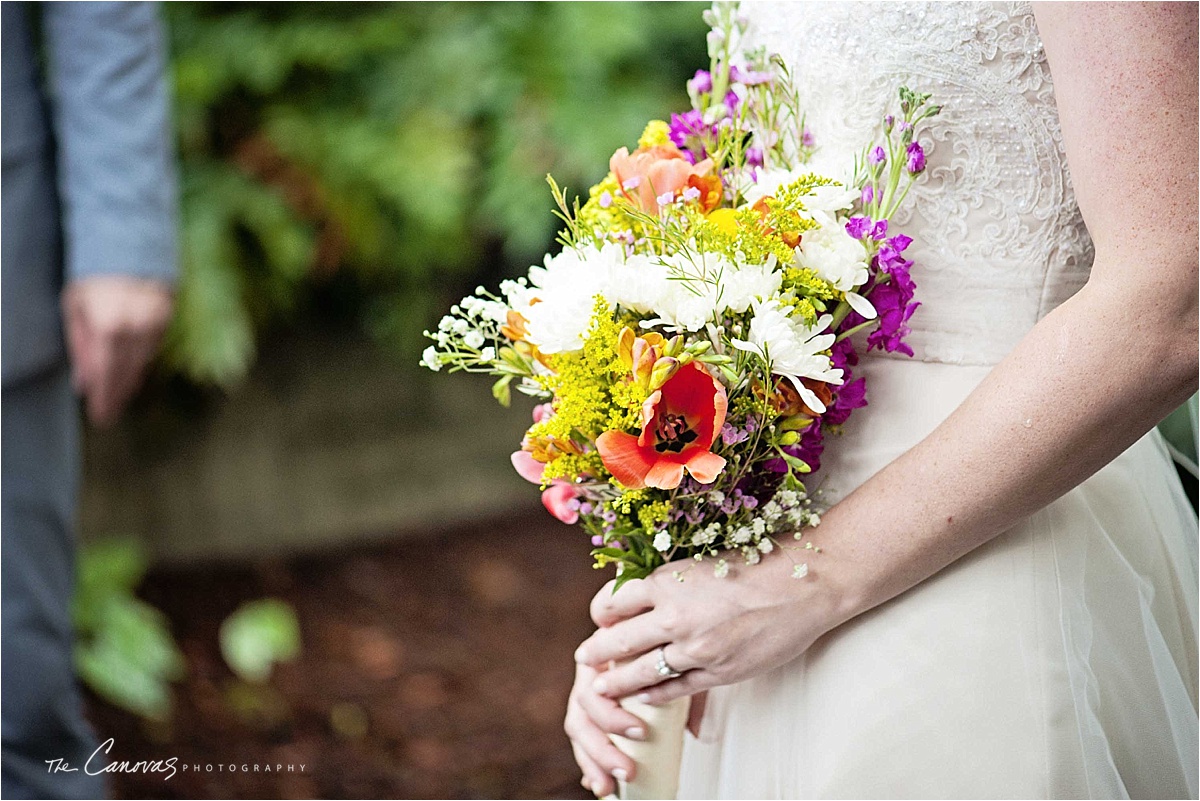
(861,227)
(748,77)
(877,156)
(701,83)
(849,396)
(691,134)
(916,158)
(895,307)
(893,299)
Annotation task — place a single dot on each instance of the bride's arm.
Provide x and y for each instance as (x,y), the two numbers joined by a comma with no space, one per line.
(1101,370)
(1083,385)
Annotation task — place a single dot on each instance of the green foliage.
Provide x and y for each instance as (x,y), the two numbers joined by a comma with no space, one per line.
(257,636)
(388,148)
(124,649)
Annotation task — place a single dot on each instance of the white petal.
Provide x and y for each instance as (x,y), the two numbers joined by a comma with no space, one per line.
(808,396)
(861,305)
(750,347)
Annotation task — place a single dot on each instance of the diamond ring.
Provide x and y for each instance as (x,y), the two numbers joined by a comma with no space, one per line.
(662,668)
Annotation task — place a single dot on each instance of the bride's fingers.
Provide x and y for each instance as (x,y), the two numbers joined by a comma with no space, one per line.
(689,683)
(696,713)
(622,640)
(594,777)
(637,674)
(587,737)
(611,717)
(608,607)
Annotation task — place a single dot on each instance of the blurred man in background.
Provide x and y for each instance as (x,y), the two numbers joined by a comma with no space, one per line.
(88,235)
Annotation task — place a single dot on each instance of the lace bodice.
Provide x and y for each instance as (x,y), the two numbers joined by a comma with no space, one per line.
(999,238)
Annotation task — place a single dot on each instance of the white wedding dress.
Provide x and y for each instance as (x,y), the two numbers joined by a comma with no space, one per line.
(1060,659)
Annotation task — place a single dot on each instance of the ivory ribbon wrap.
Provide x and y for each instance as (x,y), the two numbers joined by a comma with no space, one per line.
(659,755)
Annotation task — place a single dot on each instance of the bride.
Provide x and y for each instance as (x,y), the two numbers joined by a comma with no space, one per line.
(1005,601)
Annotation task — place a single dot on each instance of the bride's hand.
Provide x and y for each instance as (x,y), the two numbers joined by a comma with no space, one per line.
(590,719)
(712,630)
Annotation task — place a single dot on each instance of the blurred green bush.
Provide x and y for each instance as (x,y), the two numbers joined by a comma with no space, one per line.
(124,649)
(374,153)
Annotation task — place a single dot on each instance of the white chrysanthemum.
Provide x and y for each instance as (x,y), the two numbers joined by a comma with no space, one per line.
(769,182)
(750,282)
(830,198)
(839,258)
(794,349)
(558,307)
(827,161)
(637,282)
(688,305)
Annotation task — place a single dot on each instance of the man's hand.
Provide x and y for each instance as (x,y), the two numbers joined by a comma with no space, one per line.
(113,324)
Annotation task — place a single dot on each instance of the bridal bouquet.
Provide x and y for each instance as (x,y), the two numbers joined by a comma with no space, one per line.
(694,341)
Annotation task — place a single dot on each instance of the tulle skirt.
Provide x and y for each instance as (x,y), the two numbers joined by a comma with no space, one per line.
(1057,661)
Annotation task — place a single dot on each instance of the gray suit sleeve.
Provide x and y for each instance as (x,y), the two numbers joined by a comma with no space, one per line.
(116,165)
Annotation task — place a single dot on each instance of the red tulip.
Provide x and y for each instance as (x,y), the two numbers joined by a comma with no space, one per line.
(680,422)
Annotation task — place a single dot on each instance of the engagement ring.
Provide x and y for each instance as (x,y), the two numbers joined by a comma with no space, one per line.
(663,669)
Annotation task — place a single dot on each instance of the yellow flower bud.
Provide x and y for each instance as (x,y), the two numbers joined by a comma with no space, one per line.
(625,346)
(797,422)
(664,368)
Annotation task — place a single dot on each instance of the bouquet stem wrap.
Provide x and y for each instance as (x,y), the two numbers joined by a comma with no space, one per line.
(658,756)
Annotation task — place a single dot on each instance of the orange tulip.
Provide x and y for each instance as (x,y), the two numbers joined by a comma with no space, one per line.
(680,422)
(650,172)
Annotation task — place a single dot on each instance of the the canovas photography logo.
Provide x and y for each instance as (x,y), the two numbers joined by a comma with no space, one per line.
(101,761)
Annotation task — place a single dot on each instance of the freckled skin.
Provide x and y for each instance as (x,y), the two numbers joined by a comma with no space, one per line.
(1096,374)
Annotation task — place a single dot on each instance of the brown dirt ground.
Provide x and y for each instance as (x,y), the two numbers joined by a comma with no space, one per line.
(431,668)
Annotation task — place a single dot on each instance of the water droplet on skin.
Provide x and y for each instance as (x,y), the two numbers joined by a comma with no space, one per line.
(1028,422)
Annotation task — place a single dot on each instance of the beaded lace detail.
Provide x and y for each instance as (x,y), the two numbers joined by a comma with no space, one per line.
(999,238)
